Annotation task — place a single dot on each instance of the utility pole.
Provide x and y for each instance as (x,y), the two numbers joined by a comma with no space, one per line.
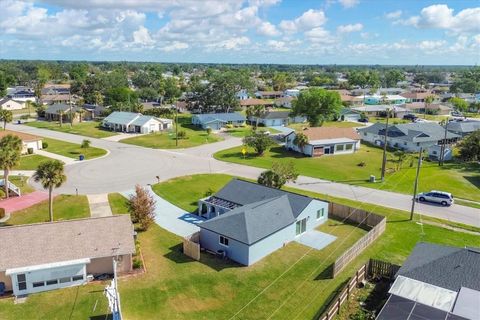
(443,147)
(416,182)
(70,103)
(384,159)
(176,127)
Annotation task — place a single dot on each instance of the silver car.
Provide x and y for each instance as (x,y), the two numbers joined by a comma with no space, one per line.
(443,198)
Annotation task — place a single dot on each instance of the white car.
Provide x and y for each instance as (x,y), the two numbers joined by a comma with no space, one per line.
(443,198)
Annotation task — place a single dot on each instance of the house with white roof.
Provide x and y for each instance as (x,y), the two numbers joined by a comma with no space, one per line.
(135,122)
(10,104)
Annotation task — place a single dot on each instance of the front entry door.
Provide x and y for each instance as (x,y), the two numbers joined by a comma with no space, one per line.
(301,226)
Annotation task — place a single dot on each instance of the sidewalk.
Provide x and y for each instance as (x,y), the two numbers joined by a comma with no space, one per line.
(64,159)
(99,205)
(25,201)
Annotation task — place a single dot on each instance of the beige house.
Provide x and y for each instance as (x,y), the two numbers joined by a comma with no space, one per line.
(46,256)
(9,104)
(30,141)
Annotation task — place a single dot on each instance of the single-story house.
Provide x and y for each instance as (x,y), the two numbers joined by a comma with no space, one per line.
(268,94)
(29,141)
(92,111)
(381,110)
(135,122)
(248,221)
(325,140)
(10,104)
(464,127)
(46,256)
(276,118)
(347,114)
(380,99)
(436,282)
(52,113)
(21,94)
(433,108)
(409,136)
(284,102)
(256,102)
(435,151)
(418,96)
(216,121)
(242,94)
(291,93)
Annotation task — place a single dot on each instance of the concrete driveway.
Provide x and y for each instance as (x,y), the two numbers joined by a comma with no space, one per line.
(127,165)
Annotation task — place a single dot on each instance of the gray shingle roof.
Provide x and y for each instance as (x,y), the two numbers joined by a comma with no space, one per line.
(464,126)
(253,222)
(41,243)
(141,120)
(55,108)
(244,192)
(275,115)
(443,266)
(223,117)
(414,132)
(121,117)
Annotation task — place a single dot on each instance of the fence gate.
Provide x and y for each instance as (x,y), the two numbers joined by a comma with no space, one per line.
(191,246)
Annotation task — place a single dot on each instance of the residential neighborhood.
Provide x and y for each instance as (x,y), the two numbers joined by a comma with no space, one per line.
(251,159)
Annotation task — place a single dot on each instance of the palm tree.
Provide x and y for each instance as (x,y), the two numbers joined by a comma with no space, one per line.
(50,174)
(301,140)
(6,116)
(10,152)
(255,111)
(428,101)
(60,116)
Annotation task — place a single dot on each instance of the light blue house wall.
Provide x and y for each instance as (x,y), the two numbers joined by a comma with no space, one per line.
(249,254)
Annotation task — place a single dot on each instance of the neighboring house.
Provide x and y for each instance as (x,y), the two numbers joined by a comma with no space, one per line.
(256,102)
(92,111)
(52,113)
(284,102)
(242,95)
(418,96)
(248,221)
(381,110)
(291,93)
(347,114)
(276,118)
(435,151)
(436,282)
(216,121)
(29,141)
(432,108)
(46,256)
(380,99)
(21,93)
(408,136)
(398,91)
(325,140)
(10,104)
(268,94)
(464,127)
(135,122)
(56,93)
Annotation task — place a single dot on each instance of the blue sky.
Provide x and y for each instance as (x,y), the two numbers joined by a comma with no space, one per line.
(244,31)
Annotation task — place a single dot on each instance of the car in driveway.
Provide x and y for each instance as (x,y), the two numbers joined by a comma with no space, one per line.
(443,198)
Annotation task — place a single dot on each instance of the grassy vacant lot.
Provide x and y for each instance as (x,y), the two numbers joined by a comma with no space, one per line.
(241,132)
(19,182)
(463,180)
(72,150)
(291,283)
(118,203)
(65,207)
(166,140)
(88,129)
(30,162)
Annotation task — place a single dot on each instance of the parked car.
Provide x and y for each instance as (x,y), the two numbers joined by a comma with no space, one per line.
(443,198)
(365,119)
(457,114)
(410,116)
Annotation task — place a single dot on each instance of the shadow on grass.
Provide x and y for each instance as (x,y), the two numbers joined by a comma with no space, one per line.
(473,180)
(176,255)
(329,300)
(102,317)
(326,273)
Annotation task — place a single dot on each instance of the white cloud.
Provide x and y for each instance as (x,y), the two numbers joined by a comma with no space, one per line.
(142,37)
(393,15)
(429,45)
(267,29)
(320,35)
(348,3)
(440,16)
(347,28)
(308,20)
(369,35)
(174,46)
(263,3)
(279,46)
(231,44)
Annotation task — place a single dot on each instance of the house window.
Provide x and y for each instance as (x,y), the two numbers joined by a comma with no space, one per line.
(404,143)
(348,147)
(51,282)
(320,213)
(65,280)
(418,144)
(224,241)
(339,147)
(77,278)
(21,281)
(38,284)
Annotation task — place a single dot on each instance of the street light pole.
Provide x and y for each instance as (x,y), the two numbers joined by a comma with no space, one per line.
(416,182)
(384,159)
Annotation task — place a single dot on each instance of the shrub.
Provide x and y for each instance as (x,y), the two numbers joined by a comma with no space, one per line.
(2,213)
(137,263)
(229,126)
(30,150)
(85,144)
(182,134)
(44,145)
(362,164)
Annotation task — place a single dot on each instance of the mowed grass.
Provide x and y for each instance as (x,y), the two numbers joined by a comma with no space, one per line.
(461,179)
(86,128)
(291,283)
(65,207)
(166,140)
(72,150)
(30,162)
(118,203)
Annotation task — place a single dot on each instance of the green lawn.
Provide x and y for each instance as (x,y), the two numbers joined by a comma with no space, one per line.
(88,129)
(30,162)
(19,182)
(118,203)
(166,140)
(72,150)
(65,207)
(463,180)
(291,283)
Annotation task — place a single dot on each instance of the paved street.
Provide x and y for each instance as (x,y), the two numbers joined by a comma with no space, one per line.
(127,165)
